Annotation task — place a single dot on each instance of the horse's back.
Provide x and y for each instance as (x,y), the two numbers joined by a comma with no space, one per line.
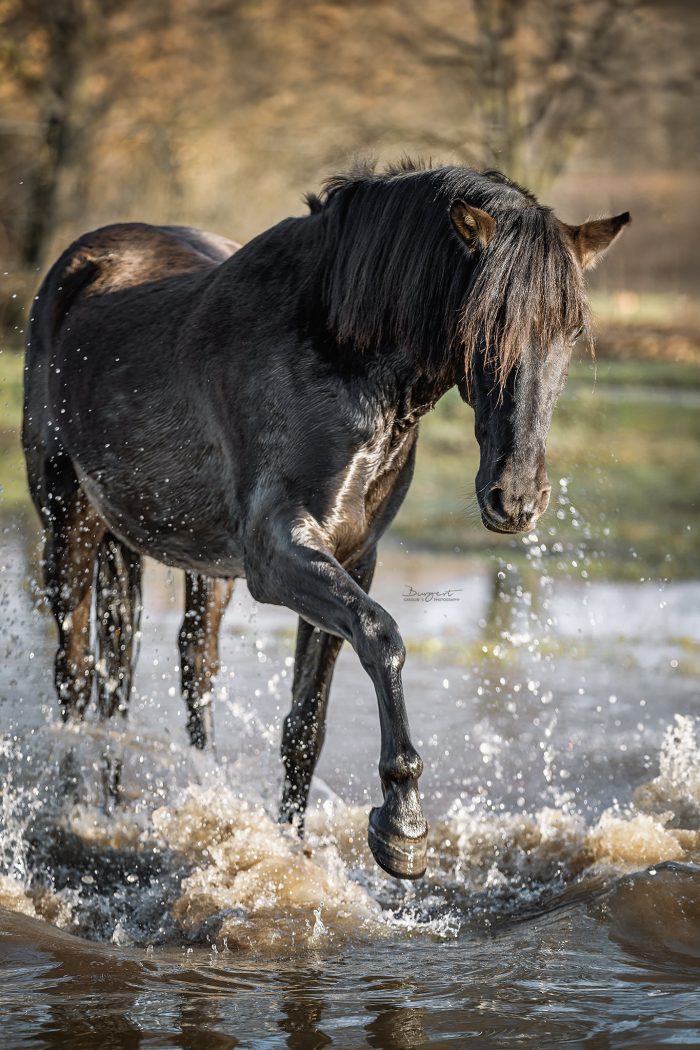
(114,259)
(212,245)
(126,255)
(106,260)
(130,254)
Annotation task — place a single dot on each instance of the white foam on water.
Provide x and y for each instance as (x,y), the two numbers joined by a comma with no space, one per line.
(209,862)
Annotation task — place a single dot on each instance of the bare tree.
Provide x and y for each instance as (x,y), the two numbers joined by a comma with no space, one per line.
(48,50)
(531,77)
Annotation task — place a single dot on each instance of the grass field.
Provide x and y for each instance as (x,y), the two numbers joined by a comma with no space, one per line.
(623,460)
(13,485)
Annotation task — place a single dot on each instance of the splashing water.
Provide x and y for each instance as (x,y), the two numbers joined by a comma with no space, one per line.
(210,863)
(559,782)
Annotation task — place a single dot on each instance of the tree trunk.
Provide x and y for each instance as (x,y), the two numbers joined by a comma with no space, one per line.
(69,30)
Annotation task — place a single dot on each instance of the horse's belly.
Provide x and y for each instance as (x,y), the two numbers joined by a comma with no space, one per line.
(205,543)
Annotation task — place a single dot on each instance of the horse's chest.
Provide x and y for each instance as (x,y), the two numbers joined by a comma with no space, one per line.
(360,493)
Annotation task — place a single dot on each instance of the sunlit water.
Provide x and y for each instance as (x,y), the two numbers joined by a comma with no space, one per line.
(557,722)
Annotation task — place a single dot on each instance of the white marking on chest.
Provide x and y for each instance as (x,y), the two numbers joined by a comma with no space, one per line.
(368,464)
(348,510)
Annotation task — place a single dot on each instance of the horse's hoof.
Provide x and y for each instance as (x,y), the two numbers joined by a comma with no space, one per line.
(401,857)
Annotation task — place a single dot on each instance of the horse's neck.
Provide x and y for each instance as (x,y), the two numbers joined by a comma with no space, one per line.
(414,388)
(407,384)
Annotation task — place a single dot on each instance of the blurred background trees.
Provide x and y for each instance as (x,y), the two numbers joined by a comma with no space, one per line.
(541,78)
(221,113)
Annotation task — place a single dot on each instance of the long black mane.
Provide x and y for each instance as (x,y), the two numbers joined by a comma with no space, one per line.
(395,272)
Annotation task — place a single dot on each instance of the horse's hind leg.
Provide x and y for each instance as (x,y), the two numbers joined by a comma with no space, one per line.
(72,538)
(117,619)
(305,725)
(206,599)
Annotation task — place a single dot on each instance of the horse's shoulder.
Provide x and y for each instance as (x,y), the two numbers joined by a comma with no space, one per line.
(125,255)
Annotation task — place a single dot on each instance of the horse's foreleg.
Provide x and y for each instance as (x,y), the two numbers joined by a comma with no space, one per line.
(305,725)
(313,584)
(206,599)
(69,569)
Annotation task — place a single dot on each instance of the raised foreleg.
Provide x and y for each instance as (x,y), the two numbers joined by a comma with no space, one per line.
(283,571)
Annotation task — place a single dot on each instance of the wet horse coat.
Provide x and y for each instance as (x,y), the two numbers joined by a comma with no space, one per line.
(254,413)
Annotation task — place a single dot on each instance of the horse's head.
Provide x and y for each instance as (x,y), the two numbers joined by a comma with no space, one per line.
(524,313)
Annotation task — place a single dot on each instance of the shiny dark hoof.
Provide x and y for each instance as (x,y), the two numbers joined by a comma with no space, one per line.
(401,857)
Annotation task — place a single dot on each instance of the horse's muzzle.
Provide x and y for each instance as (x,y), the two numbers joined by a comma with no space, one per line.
(509,512)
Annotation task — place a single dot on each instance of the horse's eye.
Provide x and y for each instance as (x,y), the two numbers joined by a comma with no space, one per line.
(576,334)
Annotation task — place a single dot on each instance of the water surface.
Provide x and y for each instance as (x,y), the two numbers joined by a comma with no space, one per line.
(557,722)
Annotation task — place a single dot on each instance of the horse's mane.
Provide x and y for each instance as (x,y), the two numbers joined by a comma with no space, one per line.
(395,272)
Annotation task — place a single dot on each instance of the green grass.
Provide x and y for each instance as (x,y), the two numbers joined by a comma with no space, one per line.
(13,482)
(630,460)
(664,374)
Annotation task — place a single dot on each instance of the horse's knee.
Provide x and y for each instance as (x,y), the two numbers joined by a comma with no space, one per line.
(380,645)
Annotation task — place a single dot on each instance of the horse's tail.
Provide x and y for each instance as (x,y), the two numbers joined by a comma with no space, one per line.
(118,616)
(72,272)
(45,457)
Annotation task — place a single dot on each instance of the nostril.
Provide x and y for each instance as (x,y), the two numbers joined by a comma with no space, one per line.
(495,505)
(543,500)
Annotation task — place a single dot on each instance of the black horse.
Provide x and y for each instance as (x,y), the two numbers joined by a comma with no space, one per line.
(253,412)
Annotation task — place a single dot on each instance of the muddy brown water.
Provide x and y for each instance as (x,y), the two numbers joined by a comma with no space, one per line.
(558,724)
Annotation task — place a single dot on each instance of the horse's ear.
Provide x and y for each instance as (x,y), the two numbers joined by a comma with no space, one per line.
(473,225)
(592,238)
